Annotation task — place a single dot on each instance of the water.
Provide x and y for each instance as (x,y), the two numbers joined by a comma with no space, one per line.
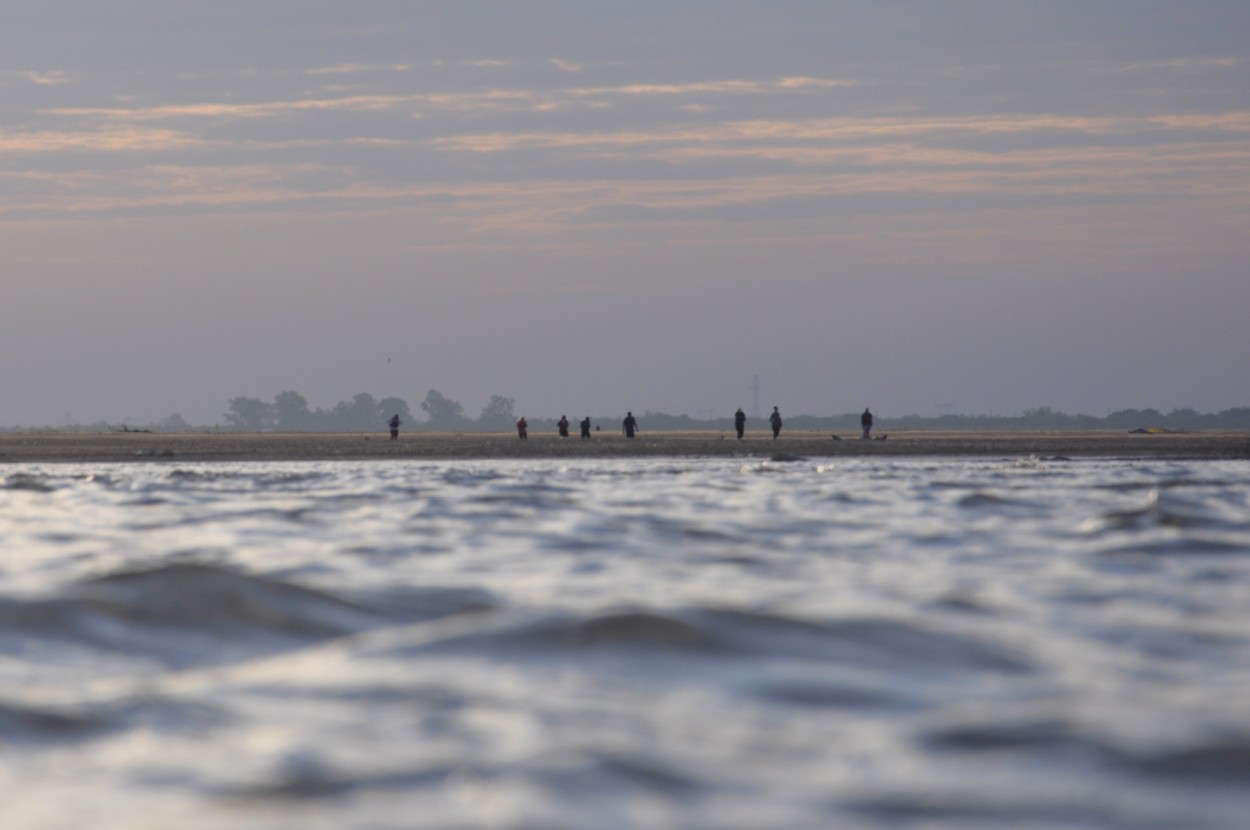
(663,643)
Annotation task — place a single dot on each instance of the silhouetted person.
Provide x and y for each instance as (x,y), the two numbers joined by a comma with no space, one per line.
(522,428)
(586,427)
(775,421)
(740,422)
(394,423)
(630,425)
(865,421)
(563,426)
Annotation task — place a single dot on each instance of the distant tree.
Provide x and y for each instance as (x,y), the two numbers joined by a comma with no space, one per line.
(1236,418)
(249,414)
(359,413)
(394,406)
(444,413)
(291,411)
(498,414)
(174,423)
(1124,418)
(1186,419)
(1044,416)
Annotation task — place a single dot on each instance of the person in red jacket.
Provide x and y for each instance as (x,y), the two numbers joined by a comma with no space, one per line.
(522,428)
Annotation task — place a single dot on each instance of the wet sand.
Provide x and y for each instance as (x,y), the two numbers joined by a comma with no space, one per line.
(28,447)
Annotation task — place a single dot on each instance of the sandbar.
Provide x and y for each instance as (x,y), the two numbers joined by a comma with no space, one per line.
(84,447)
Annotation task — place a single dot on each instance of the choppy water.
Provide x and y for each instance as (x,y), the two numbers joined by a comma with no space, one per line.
(671,643)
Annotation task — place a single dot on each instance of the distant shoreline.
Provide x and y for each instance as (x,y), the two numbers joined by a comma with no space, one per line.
(69,447)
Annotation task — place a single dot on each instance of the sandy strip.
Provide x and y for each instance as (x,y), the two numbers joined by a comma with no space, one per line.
(30,447)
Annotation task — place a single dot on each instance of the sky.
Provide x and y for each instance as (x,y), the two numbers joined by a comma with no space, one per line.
(922,206)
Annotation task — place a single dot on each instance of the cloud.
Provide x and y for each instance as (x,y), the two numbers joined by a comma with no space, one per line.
(355,68)
(480,101)
(809,83)
(54,78)
(726,87)
(222,110)
(491,100)
(561,166)
(827,166)
(108,140)
(1227,121)
(776,130)
(1180,64)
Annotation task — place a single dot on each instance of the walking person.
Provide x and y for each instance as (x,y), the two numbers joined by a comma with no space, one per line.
(630,425)
(740,422)
(563,426)
(394,423)
(865,421)
(585,427)
(775,421)
(522,428)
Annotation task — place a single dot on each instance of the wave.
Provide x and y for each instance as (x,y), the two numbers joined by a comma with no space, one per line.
(977,501)
(305,774)
(37,724)
(28,482)
(184,615)
(989,810)
(1221,759)
(1169,511)
(715,633)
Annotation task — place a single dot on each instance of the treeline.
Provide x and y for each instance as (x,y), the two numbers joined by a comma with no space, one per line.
(1042,418)
(1046,418)
(290,412)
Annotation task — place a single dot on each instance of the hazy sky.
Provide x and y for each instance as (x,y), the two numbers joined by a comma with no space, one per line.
(971,205)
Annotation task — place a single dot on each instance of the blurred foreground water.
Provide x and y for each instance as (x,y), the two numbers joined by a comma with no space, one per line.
(653,644)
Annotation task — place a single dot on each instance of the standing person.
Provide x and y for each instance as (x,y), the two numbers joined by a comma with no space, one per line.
(775,421)
(740,422)
(563,426)
(586,427)
(394,423)
(630,425)
(522,428)
(865,421)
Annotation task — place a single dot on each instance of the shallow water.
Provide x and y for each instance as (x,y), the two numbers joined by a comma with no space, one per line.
(661,643)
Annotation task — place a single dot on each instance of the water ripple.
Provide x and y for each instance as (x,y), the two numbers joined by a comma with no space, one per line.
(739,642)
